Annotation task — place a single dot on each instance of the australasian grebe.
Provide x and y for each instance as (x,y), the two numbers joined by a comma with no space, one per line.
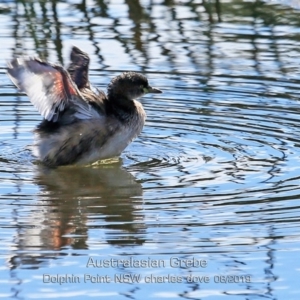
(81,125)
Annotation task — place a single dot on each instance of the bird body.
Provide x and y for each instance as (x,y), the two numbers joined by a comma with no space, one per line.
(87,141)
(80,125)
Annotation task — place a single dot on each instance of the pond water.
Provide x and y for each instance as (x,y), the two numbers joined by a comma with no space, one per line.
(205,203)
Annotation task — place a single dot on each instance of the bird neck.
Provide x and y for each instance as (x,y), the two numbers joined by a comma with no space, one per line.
(120,106)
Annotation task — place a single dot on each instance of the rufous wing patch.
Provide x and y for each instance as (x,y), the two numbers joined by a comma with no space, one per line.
(49,87)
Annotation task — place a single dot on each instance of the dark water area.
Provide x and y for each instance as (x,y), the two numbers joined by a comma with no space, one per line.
(204,204)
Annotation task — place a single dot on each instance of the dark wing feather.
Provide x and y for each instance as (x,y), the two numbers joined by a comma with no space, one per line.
(49,88)
(79,68)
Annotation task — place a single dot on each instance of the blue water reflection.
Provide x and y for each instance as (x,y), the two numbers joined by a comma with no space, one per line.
(213,176)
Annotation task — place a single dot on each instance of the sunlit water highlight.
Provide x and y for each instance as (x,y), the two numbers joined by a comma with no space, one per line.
(214,175)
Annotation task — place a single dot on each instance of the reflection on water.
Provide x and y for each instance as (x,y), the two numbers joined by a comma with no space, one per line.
(72,198)
(213,176)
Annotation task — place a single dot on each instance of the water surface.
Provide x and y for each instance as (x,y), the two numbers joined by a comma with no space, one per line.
(205,203)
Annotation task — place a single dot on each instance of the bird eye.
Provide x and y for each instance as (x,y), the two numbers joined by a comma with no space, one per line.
(144,89)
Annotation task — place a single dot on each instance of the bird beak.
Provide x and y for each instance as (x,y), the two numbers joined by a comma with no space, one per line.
(150,89)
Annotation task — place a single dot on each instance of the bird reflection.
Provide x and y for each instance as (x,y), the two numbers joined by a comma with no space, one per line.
(74,200)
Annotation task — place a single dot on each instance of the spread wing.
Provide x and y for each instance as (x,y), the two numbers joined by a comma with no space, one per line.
(79,68)
(79,72)
(49,88)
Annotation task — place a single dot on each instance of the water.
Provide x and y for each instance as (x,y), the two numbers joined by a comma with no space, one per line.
(204,204)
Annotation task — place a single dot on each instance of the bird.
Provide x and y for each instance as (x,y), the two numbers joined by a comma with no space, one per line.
(81,124)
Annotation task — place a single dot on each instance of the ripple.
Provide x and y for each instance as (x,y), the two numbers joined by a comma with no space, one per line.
(214,174)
